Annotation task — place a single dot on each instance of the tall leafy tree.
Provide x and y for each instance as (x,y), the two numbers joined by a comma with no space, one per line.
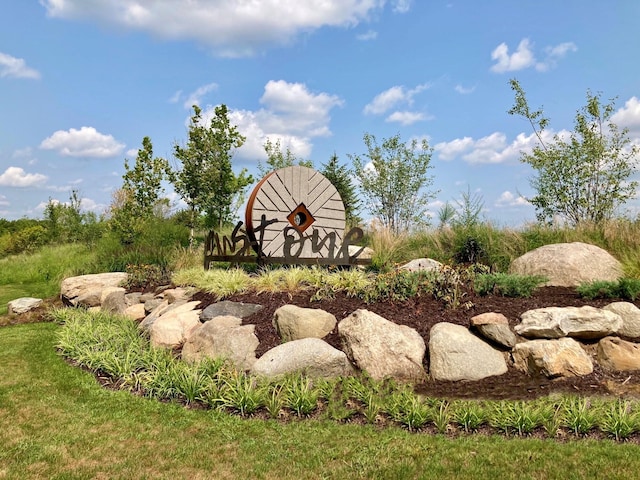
(135,203)
(342,179)
(205,179)
(394,181)
(585,177)
(277,158)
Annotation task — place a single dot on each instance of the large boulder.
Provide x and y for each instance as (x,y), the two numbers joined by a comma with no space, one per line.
(174,326)
(382,348)
(617,354)
(586,322)
(630,315)
(226,307)
(23,305)
(494,327)
(311,356)
(293,323)
(223,337)
(86,290)
(568,264)
(457,354)
(552,358)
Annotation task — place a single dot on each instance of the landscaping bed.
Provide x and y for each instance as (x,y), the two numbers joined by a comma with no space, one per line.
(422,312)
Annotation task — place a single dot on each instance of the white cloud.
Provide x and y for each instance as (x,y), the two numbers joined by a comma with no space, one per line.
(231,28)
(175,97)
(291,114)
(86,142)
(521,58)
(392,97)
(196,96)
(4,202)
(369,35)
(629,117)
(402,6)
(524,56)
(508,199)
(493,148)
(132,153)
(17,177)
(406,118)
(16,67)
(464,90)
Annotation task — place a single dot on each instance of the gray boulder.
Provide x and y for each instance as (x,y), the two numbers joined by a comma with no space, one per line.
(312,356)
(457,354)
(422,265)
(235,309)
(552,358)
(381,348)
(293,323)
(568,264)
(579,322)
(86,290)
(223,337)
(23,305)
(113,300)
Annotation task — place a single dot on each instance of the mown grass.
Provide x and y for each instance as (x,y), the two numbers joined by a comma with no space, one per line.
(57,422)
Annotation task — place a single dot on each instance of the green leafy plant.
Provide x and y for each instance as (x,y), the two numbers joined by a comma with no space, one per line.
(470,415)
(507,285)
(625,288)
(578,415)
(619,419)
(300,395)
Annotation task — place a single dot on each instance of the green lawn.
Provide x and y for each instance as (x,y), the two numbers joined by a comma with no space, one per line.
(57,422)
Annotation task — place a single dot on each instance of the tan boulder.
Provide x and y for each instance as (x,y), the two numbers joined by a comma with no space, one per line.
(294,323)
(630,315)
(494,327)
(552,358)
(617,354)
(568,264)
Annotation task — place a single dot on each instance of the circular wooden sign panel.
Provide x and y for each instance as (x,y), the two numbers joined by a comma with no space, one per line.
(299,202)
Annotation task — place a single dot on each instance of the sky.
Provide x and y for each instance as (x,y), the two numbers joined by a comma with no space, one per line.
(83,82)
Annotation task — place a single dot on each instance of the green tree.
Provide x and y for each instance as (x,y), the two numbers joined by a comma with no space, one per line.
(584,178)
(206,181)
(277,159)
(341,178)
(65,222)
(134,204)
(393,179)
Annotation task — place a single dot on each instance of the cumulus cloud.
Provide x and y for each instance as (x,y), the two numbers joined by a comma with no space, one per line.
(524,57)
(406,118)
(17,177)
(291,114)
(493,148)
(85,142)
(629,117)
(16,67)
(392,97)
(508,199)
(230,28)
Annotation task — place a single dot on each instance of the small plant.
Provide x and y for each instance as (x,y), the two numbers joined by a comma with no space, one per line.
(470,415)
(578,416)
(470,251)
(300,395)
(619,420)
(624,288)
(241,393)
(507,285)
(442,416)
(145,277)
(448,286)
(274,401)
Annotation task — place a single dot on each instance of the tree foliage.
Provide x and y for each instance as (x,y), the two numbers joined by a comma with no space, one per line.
(393,180)
(341,178)
(277,159)
(136,202)
(585,177)
(205,180)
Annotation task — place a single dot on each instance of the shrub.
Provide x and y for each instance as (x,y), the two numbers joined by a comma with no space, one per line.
(624,288)
(507,285)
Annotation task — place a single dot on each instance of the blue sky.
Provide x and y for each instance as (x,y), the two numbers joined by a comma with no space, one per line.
(82,82)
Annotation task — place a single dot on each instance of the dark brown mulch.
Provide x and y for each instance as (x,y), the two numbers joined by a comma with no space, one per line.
(421,313)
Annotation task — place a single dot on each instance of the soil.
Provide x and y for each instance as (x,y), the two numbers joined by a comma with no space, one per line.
(422,312)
